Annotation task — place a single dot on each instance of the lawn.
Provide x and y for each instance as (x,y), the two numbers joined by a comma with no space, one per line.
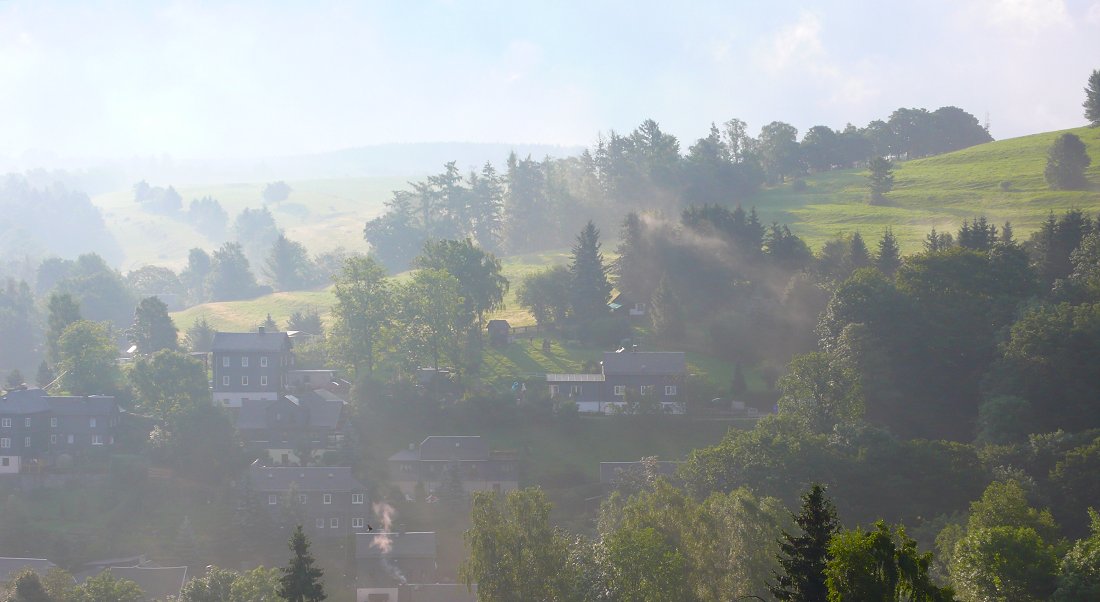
(1002,180)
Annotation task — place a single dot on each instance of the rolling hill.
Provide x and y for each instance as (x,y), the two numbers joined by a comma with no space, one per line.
(1002,180)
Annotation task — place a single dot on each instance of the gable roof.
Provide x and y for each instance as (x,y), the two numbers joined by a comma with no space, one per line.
(270,342)
(449,448)
(278,479)
(610,471)
(10,567)
(158,583)
(415,544)
(320,411)
(24,401)
(94,405)
(644,362)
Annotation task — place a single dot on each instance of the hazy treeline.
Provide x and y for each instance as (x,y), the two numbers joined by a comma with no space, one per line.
(537,204)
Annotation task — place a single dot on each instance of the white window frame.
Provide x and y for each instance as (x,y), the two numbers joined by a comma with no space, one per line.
(70,439)
(91,423)
(647,390)
(553,390)
(53,439)
(574,390)
(334,523)
(225,381)
(263,361)
(620,390)
(5,443)
(27,421)
(327,498)
(357,523)
(53,422)
(26,441)
(244,361)
(97,439)
(320,523)
(225,361)
(5,423)
(244,381)
(263,380)
(670,390)
(302,498)
(272,499)
(357,498)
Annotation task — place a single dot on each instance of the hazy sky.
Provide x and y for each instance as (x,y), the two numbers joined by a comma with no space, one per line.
(244,79)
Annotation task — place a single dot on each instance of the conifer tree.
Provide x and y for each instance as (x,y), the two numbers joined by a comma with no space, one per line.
(666,312)
(803,557)
(858,255)
(1092,99)
(889,255)
(881,179)
(301,581)
(591,289)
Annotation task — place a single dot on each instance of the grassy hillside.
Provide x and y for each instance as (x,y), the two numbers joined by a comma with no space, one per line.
(245,315)
(1002,180)
(321,214)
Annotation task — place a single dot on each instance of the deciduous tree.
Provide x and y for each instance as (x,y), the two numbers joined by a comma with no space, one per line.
(153,328)
(1066,163)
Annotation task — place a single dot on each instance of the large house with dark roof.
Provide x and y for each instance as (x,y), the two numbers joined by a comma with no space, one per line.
(250,365)
(389,559)
(37,427)
(479,468)
(284,429)
(327,500)
(627,379)
(11,567)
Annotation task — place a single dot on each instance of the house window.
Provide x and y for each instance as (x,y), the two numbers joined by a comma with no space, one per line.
(26,441)
(263,381)
(620,390)
(320,523)
(6,423)
(97,439)
(53,439)
(328,498)
(53,422)
(27,421)
(244,361)
(225,362)
(263,361)
(575,390)
(272,500)
(357,498)
(244,381)
(648,389)
(70,439)
(334,523)
(302,498)
(357,523)
(91,423)
(5,461)
(553,390)
(5,443)
(225,381)
(670,390)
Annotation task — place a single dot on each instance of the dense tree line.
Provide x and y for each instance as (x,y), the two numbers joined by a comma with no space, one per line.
(538,204)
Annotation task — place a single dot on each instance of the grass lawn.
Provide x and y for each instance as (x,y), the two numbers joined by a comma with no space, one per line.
(1002,180)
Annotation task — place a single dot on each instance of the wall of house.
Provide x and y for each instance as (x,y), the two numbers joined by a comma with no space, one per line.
(232,391)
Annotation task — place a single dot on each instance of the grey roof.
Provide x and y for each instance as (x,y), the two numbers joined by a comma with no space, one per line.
(322,411)
(25,401)
(271,342)
(100,405)
(158,583)
(436,592)
(448,448)
(253,414)
(10,567)
(609,471)
(275,479)
(415,544)
(644,362)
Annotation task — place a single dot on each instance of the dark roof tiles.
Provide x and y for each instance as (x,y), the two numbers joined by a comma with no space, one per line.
(259,342)
(644,362)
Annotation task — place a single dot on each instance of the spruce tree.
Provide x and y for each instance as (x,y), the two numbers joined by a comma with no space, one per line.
(591,289)
(1092,99)
(301,581)
(858,255)
(666,312)
(881,179)
(803,557)
(889,254)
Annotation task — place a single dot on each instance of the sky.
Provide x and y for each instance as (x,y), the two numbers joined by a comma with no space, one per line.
(110,79)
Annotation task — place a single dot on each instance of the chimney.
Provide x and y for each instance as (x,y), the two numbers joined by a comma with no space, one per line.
(260,330)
